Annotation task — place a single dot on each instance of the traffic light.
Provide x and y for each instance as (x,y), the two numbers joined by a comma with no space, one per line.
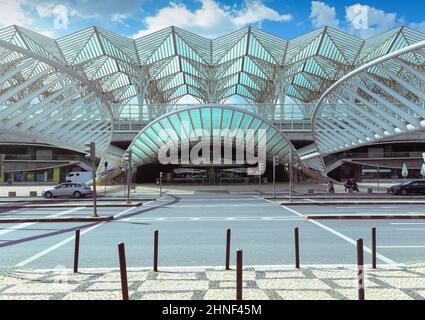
(127,158)
(1,165)
(90,150)
(275,161)
(286,165)
(261,167)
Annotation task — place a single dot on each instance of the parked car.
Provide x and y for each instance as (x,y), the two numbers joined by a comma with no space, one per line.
(76,190)
(411,187)
(81,177)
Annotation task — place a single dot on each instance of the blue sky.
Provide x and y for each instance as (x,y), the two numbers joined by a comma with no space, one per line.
(212,18)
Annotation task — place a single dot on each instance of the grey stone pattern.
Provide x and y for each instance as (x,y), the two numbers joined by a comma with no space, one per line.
(261,283)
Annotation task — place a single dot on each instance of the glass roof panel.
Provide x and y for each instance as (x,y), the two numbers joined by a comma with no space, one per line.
(236,120)
(186,121)
(169,130)
(206,119)
(196,118)
(216,118)
(246,121)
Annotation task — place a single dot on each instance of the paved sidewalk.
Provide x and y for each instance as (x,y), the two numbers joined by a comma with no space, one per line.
(152,190)
(268,282)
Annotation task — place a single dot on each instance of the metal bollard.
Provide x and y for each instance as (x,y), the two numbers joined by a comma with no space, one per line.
(76,250)
(160,184)
(297,249)
(123,271)
(239,254)
(360,269)
(228,249)
(374,248)
(155,251)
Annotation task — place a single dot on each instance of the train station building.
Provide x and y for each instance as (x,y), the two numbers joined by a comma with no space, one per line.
(328,104)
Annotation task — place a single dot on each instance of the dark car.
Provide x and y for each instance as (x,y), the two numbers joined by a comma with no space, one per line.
(411,187)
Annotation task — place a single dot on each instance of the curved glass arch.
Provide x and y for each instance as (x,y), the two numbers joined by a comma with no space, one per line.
(202,118)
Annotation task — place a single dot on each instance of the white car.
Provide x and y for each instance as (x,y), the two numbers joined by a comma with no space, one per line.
(76,190)
(79,177)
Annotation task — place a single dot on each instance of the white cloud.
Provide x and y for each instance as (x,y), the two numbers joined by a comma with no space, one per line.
(119,17)
(366,21)
(256,11)
(12,12)
(59,12)
(361,20)
(323,15)
(211,19)
(420,26)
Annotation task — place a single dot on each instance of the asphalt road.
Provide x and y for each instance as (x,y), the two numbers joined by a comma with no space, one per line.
(192,232)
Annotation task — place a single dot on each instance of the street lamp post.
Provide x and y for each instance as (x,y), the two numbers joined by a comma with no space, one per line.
(160,184)
(104,174)
(90,150)
(260,168)
(378,177)
(290,176)
(128,157)
(2,156)
(274,176)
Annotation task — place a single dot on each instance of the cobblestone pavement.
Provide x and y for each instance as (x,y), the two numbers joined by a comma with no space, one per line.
(266,282)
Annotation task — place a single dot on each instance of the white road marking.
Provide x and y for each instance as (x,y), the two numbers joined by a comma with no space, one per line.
(244,193)
(147,204)
(342,236)
(410,229)
(27,224)
(208,219)
(407,223)
(402,247)
(217,205)
(65,241)
(350,207)
(222,200)
(387,213)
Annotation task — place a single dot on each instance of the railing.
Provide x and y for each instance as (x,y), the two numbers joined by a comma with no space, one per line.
(372,156)
(286,117)
(54,157)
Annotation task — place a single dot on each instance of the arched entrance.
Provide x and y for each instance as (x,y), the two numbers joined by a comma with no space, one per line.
(211,142)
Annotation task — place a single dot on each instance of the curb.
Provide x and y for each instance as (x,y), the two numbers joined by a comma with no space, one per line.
(376,197)
(352,217)
(351,198)
(58,220)
(43,200)
(349,203)
(64,206)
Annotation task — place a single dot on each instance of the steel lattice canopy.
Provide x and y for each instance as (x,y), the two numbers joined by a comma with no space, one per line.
(164,66)
(380,100)
(205,123)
